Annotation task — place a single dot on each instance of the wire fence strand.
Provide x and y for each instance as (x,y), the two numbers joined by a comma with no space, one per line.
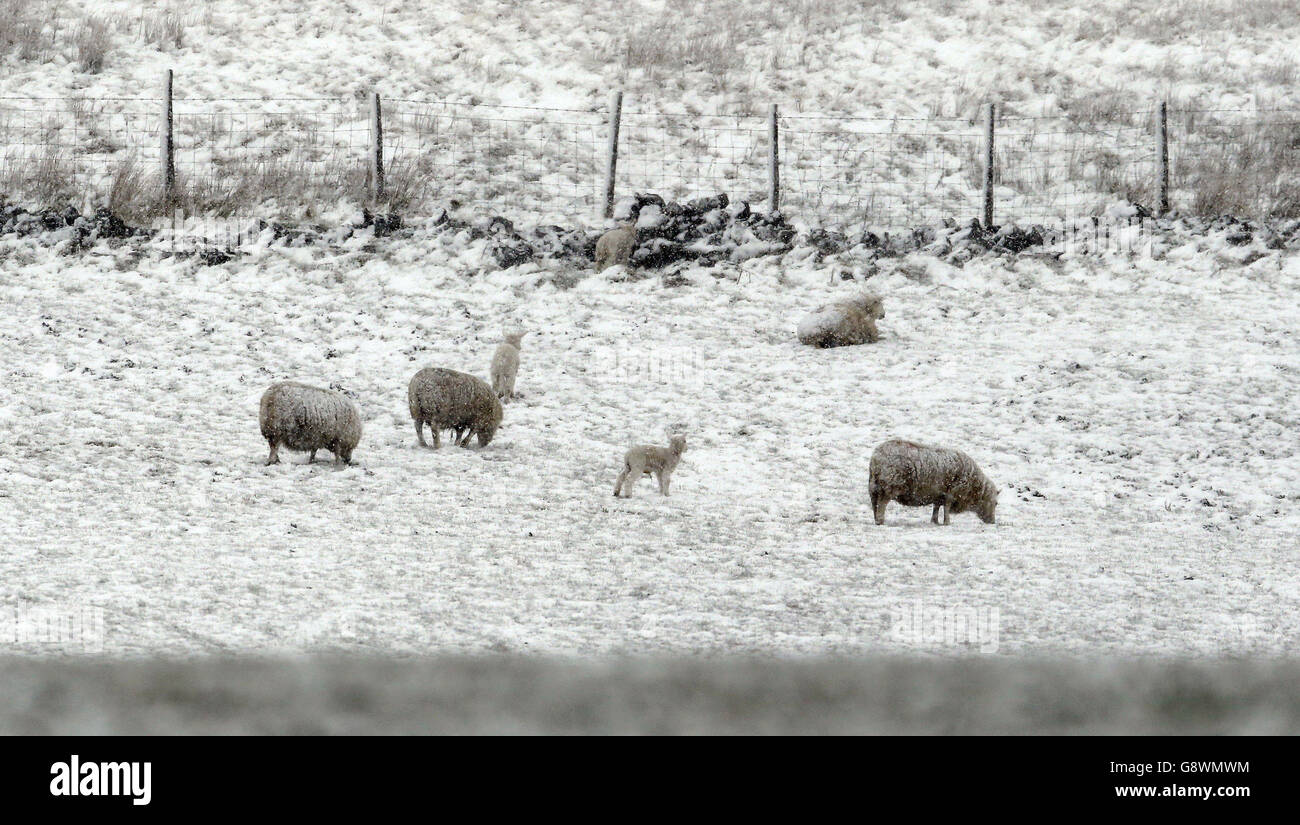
(285,155)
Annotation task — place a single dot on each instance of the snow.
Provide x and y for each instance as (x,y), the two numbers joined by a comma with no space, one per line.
(1137,413)
(1138,410)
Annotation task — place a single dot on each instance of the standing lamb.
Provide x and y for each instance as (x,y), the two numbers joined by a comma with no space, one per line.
(615,246)
(844,323)
(306,418)
(449,400)
(505,365)
(647,460)
(915,475)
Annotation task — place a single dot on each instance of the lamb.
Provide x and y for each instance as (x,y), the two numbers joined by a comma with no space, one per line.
(615,246)
(915,475)
(306,418)
(843,323)
(449,400)
(647,460)
(505,365)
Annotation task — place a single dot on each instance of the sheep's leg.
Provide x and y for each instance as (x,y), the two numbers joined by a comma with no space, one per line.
(469,434)
(934,517)
(311,457)
(274,458)
(945,511)
(664,478)
(618,485)
(878,504)
(634,472)
(419,432)
(437,435)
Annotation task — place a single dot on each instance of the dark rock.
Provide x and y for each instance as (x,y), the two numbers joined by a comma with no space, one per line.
(827,242)
(509,252)
(212,256)
(657,252)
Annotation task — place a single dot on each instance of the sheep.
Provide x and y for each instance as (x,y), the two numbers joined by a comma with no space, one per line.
(647,460)
(915,475)
(843,323)
(449,400)
(615,246)
(306,418)
(505,365)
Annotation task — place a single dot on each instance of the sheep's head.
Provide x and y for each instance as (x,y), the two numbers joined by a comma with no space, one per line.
(516,338)
(678,444)
(874,306)
(488,425)
(987,504)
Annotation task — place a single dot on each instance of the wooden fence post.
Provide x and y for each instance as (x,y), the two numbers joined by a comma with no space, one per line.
(611,165)
(376,150)
(1162,154)
(773,161)
(990,115)
(168,144)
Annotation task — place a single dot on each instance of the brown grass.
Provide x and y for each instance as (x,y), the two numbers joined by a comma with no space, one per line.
(27,30)
(93,40)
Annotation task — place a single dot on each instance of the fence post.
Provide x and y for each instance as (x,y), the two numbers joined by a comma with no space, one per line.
(376,150)
(1162,153)
(611,165)
(168,144)
(990,114)
(773,161)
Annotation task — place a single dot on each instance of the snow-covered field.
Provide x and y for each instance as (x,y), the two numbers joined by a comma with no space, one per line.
(1138,412)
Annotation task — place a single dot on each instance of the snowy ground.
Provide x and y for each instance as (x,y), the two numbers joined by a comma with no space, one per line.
(1138,413)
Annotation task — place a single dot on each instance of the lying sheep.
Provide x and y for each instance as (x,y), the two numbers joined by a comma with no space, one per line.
(647,460)
(449,400)
(615,246)
(916,476)
(843,323)
(505,365)
(306,418)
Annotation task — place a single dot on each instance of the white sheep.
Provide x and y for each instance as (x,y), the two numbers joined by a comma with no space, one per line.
(505,365)
(306,418)
(615,246)
(916,475)
(845,322)
(647,460)
(449,400)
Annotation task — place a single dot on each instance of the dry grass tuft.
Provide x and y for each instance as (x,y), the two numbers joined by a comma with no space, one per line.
(93,39)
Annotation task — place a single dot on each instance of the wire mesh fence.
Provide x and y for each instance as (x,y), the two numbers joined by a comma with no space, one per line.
(1234,162)
(303,156)
(521,160)
(846,172)
(681,157)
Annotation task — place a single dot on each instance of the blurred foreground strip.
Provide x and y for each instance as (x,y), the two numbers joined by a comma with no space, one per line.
(501,694)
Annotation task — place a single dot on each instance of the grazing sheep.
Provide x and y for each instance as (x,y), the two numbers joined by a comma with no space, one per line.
(306,418)
(505,365)
(647,460)
(843,323)
(449,400)
(916,476)
(615,246)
